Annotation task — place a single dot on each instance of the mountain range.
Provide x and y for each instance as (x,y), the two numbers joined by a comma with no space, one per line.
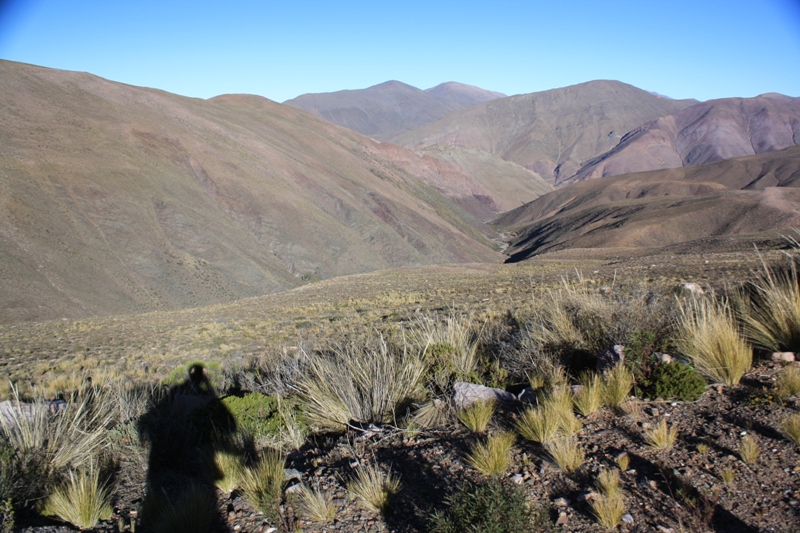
(119,199)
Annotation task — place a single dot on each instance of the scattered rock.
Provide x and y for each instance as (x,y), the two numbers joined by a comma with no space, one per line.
(665,358)
(527,395)
(561,502)
(627,518)
(294,489)
(291,473)
(611,357)
(783,357)
(562,519)
(468,393)
(694,288)
(518,479)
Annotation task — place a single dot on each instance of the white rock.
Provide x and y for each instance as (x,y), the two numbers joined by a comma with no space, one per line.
(694,288)
(628,519)
(468,393)
(783,357)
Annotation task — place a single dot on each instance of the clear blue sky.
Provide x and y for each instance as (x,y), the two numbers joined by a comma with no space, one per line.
(684,49)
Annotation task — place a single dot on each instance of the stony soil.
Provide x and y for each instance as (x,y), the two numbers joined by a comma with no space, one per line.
(673,490)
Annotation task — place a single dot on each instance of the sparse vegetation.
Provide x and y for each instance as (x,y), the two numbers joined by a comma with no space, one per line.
(316,505)
(788,383)
(537,424)
(618,385)
(262,483)
(623,461)
(771,311)
(727,475)
(590,397)
(225,469)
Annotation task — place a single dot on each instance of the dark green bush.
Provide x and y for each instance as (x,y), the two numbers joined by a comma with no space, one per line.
(255,414)
(677,381)
(490,507)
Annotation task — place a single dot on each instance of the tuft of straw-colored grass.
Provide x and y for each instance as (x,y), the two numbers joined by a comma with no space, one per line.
(632,409)
(702,448)
(623,461)
(537,424)
(559,403)
(749,450)
(358,383)
(771,315)
(262,484)
(451,343)
(608,511)
(374,488)
(661,437)
(788,383)
(83,501)
(226,470)
(608,483)
(316,505)
(590,397)
(476,416)
(709,336)
(566,453)
(433,414)
(727,475)
(791,427)
(618,385)
(492,456)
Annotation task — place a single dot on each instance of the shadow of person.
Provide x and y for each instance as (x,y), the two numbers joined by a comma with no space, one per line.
(183,429)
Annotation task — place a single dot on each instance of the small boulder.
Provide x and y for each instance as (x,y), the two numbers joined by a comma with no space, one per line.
(783,357)
(694,288)
(468,393)
(610,357)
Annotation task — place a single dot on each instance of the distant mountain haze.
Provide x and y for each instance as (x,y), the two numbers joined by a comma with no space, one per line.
(703,133)
(386,110)
(119,199)
(550,132)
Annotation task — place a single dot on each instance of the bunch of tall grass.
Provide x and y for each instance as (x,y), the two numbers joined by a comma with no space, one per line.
(449,345)
(225,468)
(552,418)
(788,383)
(491,457)
(661,437)
(590,397)
(316,505)
(609,505)
(791,427)
(709,336)
(618,385)
(566,453)
(374,488)
(262,484)
(82,501)
(70,437)
(476,416)
(771,309)
(362,384)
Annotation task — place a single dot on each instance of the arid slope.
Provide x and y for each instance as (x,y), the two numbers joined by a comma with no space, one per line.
(550,132)
(116,199)
(386,110)
(703,133)
(749,195)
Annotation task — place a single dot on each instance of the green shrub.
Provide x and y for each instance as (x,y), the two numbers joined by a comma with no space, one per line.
(490,507)
(213,372)
(676,381)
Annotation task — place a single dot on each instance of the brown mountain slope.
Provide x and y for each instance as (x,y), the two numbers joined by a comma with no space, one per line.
(391,108)
(463,95)
(703,133)
(116,199)
(549,132)
(746,195)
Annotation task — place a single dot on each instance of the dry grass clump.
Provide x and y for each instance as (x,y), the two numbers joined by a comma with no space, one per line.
(661,437)
(623,461)
(449,345)
(618,385)
(788,383)
(82,501)
(492,456)
(355,383)
(225,468)
(727,475)
(609,506)
(72,437)
(749,450)
(771,313)
(476,416)
(708,335)
(590,397)
(262,484)
(374,488)
(566,453)
(316,505)
(791,427)
(551,418)
(433,414)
